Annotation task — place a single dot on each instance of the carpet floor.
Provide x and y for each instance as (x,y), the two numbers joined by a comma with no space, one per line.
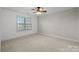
(39,43)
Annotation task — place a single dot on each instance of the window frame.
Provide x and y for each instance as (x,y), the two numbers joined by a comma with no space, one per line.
(25,24)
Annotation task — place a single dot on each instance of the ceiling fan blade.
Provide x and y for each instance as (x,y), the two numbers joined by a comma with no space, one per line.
(44,11)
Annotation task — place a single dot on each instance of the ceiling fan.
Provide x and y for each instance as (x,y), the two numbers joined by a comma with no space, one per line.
(39,10)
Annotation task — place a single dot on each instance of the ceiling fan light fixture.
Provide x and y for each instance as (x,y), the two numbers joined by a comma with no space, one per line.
(39,10)
(38,13)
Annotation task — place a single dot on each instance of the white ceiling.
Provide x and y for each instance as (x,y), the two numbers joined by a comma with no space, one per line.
(50,10)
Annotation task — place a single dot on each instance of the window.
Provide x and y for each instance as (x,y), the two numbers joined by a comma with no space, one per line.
(23,23)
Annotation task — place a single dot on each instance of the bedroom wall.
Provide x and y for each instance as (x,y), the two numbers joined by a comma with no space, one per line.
(9,30)
(61,24)
(78,23)
(0,24)
(0,29)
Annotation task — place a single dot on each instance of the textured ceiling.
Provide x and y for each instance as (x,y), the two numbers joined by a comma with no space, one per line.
(50,10)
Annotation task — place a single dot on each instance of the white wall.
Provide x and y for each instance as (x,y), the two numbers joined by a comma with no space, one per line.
(63,24)
(0,24)
(78,23)
(9,24)
(60,24)
(0,29)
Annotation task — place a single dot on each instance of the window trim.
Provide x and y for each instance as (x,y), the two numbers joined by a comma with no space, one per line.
(25,19)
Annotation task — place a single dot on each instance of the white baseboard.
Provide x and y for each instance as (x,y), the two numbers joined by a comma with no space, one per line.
(59,37)
(18,37)
(54,36)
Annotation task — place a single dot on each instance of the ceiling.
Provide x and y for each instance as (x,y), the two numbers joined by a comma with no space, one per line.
(50,10)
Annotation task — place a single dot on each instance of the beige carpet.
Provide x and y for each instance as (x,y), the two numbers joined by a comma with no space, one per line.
(38,43)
